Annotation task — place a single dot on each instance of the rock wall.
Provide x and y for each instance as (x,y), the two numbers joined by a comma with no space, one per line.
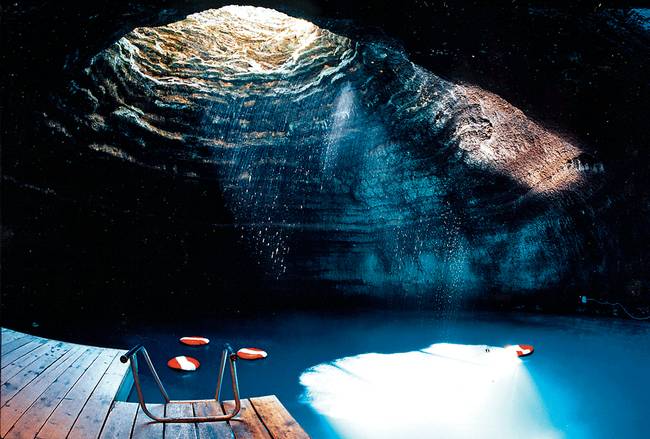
(300,158)
(340,160)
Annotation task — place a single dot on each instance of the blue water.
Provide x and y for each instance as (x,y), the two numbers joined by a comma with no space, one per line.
(592,375)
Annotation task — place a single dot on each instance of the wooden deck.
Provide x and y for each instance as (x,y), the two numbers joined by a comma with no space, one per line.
(52,389)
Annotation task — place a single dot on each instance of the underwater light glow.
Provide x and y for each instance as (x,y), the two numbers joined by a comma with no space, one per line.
(446,390)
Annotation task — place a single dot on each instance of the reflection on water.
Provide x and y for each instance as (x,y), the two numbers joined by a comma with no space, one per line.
(445,390)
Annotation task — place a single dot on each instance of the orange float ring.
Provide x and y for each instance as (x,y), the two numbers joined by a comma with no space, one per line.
(194,341)
(187,364)
(251,354)
(524,350)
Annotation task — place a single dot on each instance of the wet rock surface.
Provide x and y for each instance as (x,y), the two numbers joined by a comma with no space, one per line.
(244,152)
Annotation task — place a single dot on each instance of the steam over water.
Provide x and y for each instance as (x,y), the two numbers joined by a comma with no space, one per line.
(340,161)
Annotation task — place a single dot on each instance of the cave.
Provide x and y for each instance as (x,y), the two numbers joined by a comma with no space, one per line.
(379,195)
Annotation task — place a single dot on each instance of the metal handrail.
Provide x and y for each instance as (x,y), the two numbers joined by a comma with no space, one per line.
(227,355)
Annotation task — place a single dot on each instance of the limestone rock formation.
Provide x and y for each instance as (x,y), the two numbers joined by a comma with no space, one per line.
(340,161)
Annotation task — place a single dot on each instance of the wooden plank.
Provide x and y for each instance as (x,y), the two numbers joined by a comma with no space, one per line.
(119,422)
(23,350)
(277,419)
(249,426)
(63,418)
(9,335)
(14,384)
(15,407)
(67,390)
(211,430)
(23,363)
(179,430)
(33,419)
(146,428)
(91,419)
(15,344)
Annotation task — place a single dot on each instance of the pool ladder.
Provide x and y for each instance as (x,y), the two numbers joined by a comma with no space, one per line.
(227,356)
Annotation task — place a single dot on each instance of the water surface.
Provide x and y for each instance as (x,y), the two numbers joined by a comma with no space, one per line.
(590,375)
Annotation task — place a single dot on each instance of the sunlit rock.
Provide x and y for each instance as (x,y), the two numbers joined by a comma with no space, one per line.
(499,136)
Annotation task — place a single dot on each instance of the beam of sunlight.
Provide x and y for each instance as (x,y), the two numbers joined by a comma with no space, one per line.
(445,390)
(344,109)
